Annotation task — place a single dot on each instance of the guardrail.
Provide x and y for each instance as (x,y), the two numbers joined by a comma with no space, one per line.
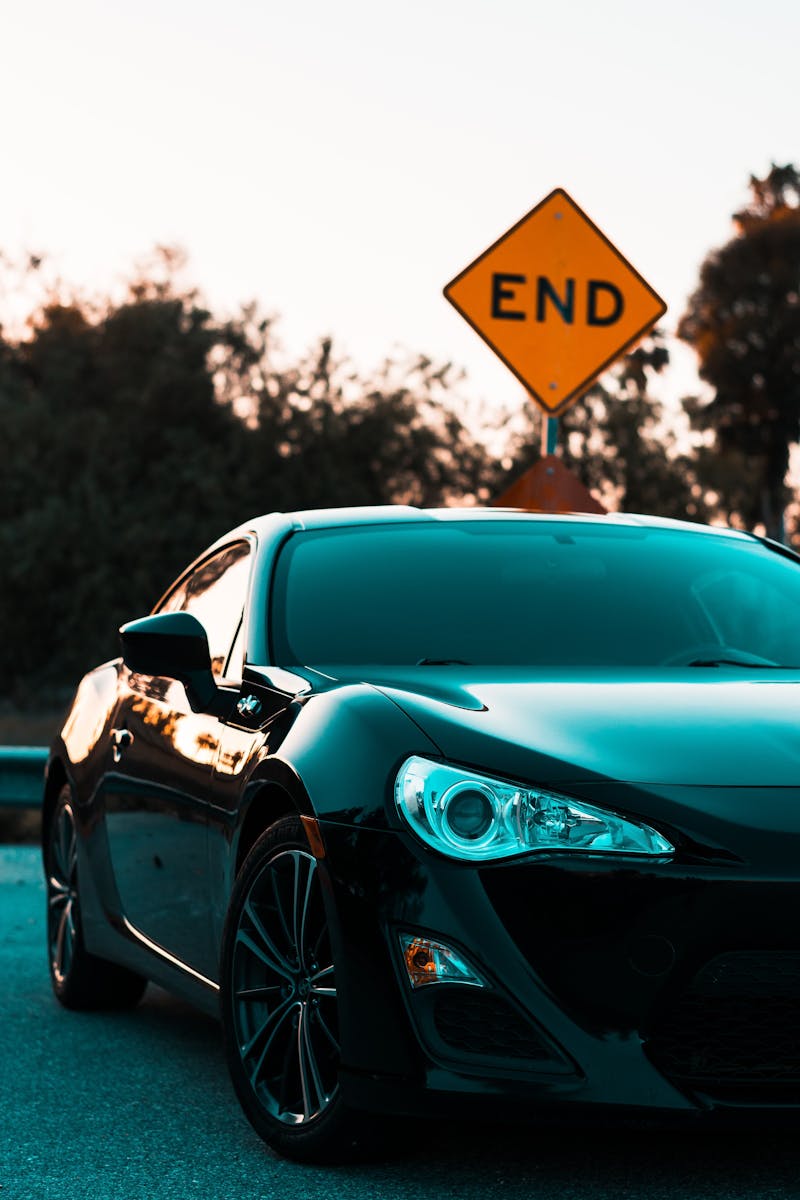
(22,776)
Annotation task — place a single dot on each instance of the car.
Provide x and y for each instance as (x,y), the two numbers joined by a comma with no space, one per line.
(458,811)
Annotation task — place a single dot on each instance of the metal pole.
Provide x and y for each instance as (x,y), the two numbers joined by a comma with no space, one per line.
(549,434)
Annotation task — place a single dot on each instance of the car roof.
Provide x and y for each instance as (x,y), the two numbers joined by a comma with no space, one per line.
(274,523)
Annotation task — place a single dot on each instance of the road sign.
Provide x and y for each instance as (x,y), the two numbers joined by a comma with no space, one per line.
(548,486)
(556,301)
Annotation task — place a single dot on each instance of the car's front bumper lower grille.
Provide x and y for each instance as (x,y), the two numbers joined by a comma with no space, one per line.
(737,1023)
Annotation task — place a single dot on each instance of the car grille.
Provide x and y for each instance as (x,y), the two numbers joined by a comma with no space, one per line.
(480,1023)
(738,1022)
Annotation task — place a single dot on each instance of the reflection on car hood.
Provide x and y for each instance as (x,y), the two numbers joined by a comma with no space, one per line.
(695,726)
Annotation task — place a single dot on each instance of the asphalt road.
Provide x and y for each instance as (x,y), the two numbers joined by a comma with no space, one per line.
(138,1107)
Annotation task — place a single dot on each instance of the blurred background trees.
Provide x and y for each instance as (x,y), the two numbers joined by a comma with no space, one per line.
(744,323)
(137,432)
(138,429)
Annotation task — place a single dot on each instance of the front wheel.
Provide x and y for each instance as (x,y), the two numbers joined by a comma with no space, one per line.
(280,1007)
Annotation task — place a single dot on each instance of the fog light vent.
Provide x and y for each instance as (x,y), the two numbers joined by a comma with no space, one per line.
(487,1025)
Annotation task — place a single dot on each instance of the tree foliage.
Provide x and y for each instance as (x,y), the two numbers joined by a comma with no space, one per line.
(136,432)
(744,323)
(138,429)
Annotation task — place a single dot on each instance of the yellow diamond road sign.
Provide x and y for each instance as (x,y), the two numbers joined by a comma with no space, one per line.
(556,301)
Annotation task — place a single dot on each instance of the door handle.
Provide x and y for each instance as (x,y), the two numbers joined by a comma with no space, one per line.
(121,739)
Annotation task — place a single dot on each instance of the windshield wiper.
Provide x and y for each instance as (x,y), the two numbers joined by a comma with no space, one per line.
(441,662)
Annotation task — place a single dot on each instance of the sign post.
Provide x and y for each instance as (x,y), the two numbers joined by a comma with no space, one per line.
(549,434)
(557,302)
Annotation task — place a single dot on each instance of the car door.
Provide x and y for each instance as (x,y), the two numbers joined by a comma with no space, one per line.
(158,784)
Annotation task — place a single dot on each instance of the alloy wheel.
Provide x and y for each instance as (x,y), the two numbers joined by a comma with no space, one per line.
(62,894)
(284,991)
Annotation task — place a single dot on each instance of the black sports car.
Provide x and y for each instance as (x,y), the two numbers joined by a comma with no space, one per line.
(448,809)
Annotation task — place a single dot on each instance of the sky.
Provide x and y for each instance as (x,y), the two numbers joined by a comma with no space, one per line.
(341,162)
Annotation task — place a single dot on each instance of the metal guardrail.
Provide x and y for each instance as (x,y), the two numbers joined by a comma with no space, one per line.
(22,776)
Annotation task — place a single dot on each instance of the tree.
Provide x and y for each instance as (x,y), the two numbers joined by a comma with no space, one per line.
(137,432)
(744,323)
(325,434)
(121,472)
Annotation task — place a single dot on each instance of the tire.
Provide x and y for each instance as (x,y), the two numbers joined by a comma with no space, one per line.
(280,1009)
(80,980)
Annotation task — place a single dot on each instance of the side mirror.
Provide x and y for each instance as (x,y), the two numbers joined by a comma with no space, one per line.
(174,645)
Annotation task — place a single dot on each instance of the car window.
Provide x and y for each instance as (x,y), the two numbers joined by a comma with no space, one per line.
(215,593)
(739,604)
(532,594)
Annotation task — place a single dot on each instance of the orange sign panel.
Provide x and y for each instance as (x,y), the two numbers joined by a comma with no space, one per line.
(556,301)
(548,486)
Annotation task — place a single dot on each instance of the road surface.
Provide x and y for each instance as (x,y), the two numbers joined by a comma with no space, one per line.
(138,1106)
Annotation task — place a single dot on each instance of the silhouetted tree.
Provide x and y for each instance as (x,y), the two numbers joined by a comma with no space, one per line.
(138,431)
(329,435)
(744,323)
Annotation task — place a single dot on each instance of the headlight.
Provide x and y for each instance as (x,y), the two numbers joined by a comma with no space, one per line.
(472,816)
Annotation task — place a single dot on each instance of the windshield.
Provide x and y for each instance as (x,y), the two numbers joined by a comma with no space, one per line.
(532,593)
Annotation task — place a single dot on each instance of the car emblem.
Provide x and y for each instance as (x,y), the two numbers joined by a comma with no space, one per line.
(248,706)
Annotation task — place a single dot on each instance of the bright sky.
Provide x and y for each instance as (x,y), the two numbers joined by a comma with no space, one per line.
(342,161)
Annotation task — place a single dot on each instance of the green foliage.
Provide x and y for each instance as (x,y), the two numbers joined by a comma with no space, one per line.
(138,432)
(331,437)
(744,323)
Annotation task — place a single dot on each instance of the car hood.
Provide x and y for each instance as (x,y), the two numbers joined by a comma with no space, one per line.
(694,726)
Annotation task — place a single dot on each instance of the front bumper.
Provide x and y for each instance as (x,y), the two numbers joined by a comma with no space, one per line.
(638,985)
